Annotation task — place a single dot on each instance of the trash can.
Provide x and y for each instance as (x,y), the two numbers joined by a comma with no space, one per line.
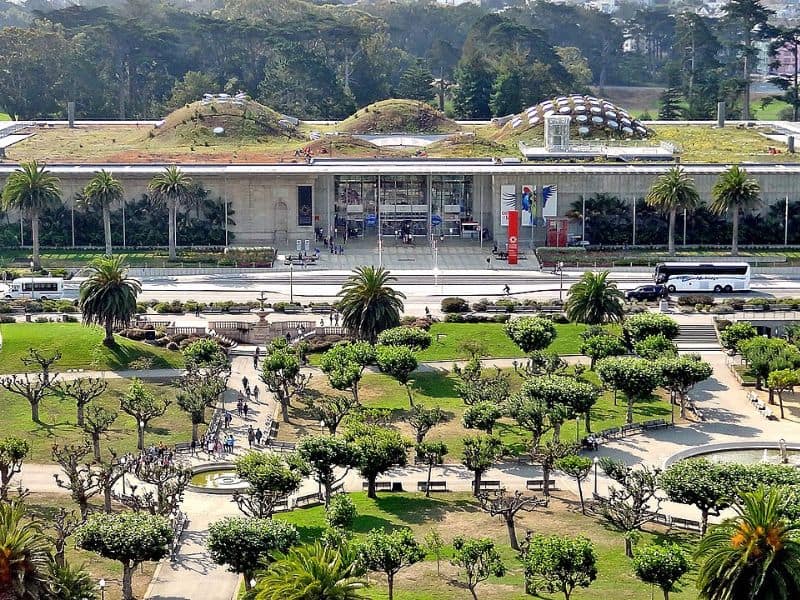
(663,306)
(397,486)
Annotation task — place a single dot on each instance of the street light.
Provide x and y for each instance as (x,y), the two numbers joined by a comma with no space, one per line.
(141,434)
(561,280)
(102,585)
(291,282)
(596,462)
(122,462)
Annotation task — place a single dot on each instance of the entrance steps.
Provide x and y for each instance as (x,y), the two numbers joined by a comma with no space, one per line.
(697,338)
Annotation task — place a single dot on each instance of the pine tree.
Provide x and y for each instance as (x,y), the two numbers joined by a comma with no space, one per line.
(415,82)
(474,80)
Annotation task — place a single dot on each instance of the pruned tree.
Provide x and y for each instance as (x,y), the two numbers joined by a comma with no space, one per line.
(344,365)
(79,478)
(531,333)
(323,454)
(679,375)
(507,506)
(37,386)
(781,381)
(661,565)
(431,453)
(474,387)
(548,454)
(398,362)
(271,479)
(482,415)
(98,420)
(423,419)
(82,391)
(375,450)
(105,474)
(390,552)
(559,563)
(479,559)
(169,482)
(578,468)
(65,523)
(434,544)
(479,455)
(280,372)
(330,410)
(142,404)
(637,378)
(199,391)
(13,451)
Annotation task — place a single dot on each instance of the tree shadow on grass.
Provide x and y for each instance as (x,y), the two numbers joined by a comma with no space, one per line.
(310,533)
(418,510)
(435,385)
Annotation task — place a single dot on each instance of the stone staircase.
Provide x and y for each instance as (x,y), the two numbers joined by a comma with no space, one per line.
(697,338)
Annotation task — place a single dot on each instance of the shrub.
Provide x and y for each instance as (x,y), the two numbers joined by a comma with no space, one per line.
(413,337)
(342,512)
(173,308)
(643,325)
(723,324)
(559,318)
(454,305)
(70,319)
(480,305)
(33,306)
(531,333)
(133,333)
(5,308)
(656,346)
(736,333)
(7,319)
(143,363)
(42,319)
(173,346)
(693,299)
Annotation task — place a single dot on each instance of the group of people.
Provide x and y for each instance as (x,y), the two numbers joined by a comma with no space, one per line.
(152,454)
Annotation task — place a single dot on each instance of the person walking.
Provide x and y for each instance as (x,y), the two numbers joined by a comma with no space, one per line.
(239,406)
(245,383)
(230,443)
(259,435)
(251,436)
(193,447)
(255,394)
(245,409)
(336,319)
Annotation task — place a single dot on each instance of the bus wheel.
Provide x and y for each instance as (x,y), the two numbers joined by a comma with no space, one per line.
(717,289)
(728,289)
(671,289)
(43,298)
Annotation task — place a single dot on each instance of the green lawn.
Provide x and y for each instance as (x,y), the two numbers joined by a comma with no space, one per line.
(59,417)
(4,117)
(81,348)
(54,258)
(459,514)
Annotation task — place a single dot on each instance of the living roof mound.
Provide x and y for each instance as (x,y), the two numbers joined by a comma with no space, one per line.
(398,116)
(240,118)
(336,146)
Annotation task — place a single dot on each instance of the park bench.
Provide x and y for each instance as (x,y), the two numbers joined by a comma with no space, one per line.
(183,447)
(384,486)
(308,500)
(551,309)
(321,309)
(686,524)
(609,434)
(527,309)
(489,485)
(630,428)
(496,309)
(281,446)
(337,489)
(655,424)
(239,310)
(211,310)
(282,505)
(435,486)
(538,484)
(292,309)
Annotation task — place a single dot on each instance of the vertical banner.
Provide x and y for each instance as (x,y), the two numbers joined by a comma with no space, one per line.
(528,204)
(508,201)
(550,200)
(513,237)
(304,205)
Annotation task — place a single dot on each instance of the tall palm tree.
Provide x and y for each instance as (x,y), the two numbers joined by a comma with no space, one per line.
(733,192)
(30,189)
(108,296)
(368,305)
(101,192)
(24,554)
(671,191)
(754,555)
(311,573)
(174,187)
(594,300)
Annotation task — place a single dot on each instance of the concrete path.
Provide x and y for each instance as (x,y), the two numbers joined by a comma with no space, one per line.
(125,374)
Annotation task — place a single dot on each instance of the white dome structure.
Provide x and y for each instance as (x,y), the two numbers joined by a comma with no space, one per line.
(595,115)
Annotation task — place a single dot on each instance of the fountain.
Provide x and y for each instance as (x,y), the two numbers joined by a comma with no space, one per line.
(747,453)
(216,478)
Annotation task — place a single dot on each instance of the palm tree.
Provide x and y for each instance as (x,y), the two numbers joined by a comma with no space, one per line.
(30,189)
(172,186)
(101,192)
(24,554)
(734,191)
(311,573)
(754,555)
(671,191)
(108,296)
(368,305)
(594,300)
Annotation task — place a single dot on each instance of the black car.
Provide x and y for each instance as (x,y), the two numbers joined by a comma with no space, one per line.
(646,292)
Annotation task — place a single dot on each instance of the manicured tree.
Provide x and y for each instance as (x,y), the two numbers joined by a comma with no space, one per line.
(479,560)
(34,389)
(64,523)
(280,372)
(531,333)
(100,193)
(398,362)
(344,365)
(368,304)
(174,187)
(323,453)
(199,392)
(375,450)
(98,420)
(576,396)
(246,544)
(82,391)
(601,346)
(341,513)
(559,563)
(641,326)
(578,468)
(780,381)
(482,416)
(734,192)
(330,410)
(423,419)
(31,189)
(167,481)
(754,554)
(24,551)
(637,378)
(415,338)
(542,362)
(654,347)
(130,538)
(108,296)
(533,415)
(548,454)
(735,333)
(389,553)
(594,300)
(672,191)
(271,477)
(431,453)
(681,374)
(434,544)
(13,451)
(80,481)
(328,571)
(205,352)
(473,387)
(507,506)
(701,483)
(661,565)
(765,355)
(480,453)
(142,404)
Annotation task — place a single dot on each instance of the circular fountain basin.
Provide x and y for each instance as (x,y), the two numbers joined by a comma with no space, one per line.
(216,478)
(745,453)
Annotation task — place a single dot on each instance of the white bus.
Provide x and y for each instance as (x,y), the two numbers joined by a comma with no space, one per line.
(703,277)
(35,288)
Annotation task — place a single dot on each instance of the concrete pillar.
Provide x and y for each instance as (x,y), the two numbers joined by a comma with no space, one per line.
(71,114)
(790,143)
(720,114)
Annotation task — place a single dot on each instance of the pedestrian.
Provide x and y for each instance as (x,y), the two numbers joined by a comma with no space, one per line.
(427,313)
(251,436)
(197,311)
(255,394)
(218,448)
(230,443)
(255,362)
(506,290)
(259,435)
(488,262)
(322,322)
(245,409)
(193,447)
(288,337)
(336,318)
(245,382)
(330,319)
(239,406)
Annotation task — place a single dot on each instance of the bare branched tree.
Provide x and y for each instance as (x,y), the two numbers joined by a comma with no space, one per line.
(501,504)
(82,391)
(33,386)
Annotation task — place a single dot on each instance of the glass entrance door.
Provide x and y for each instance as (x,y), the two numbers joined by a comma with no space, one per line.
(404,210)
(356,207)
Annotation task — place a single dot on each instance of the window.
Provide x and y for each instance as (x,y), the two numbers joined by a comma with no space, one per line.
(304,206)
(45,286)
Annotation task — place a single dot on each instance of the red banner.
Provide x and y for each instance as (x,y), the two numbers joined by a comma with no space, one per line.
(513,237)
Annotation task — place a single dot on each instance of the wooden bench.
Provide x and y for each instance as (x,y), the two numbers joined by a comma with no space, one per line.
(686,524)
(655,424)
(292,310)
(496,309)
(382,486)
(308,500)
(538,484)
(183,447)
(321,309)
(281,505)
(281,446)
(435,486)
(486,486)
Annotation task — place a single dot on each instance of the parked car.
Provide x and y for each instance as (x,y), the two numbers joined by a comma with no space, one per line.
(646,292)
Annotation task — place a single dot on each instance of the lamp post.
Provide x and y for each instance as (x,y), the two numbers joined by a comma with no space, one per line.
(141,434)
(122,462)
(291,282)
(578,429)
(561,281)
(596,461)
(102,585)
